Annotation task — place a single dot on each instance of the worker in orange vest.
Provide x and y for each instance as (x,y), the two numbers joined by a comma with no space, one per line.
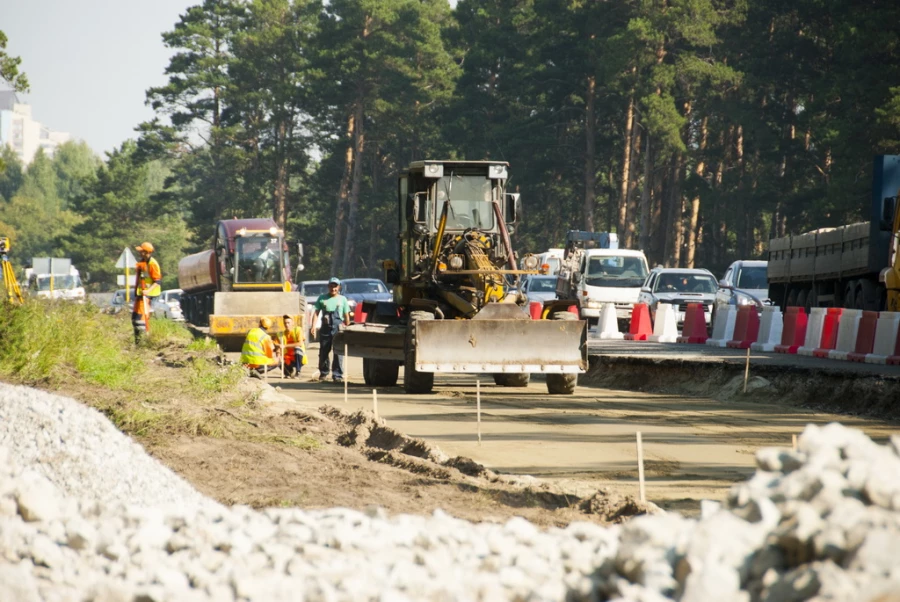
(146,286)
(293,348)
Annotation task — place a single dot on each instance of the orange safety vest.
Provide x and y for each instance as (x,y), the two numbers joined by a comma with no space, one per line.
(147,273)
(289,337)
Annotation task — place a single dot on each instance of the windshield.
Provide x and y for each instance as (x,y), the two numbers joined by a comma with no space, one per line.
(542,285)
(258,260)
(59,282)
(364,287)
(470,201)
(752,278)
(174,297)
(616,270)
(685,283)
(309,289)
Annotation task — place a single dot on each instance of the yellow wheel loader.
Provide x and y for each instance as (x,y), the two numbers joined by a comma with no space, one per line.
(455,306)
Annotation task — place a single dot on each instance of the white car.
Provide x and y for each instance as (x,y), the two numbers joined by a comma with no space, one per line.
(311,289)
(744,283)
(679,286)
(168,305)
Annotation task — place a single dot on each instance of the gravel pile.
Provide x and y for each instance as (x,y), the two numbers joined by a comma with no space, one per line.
(85,514)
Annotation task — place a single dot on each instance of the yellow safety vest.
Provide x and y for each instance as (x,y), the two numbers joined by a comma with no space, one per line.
(252,353)
(149,288)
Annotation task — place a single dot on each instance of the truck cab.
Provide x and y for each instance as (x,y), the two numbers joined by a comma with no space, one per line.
(610,276)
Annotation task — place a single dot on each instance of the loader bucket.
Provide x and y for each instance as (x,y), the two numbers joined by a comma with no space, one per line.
(236,313)
(484,345)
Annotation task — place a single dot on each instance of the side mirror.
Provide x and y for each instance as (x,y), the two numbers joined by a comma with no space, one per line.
(887,212)
(645,289)
(724,284)
(513,207)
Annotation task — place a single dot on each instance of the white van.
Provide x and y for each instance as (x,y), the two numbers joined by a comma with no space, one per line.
(610,276)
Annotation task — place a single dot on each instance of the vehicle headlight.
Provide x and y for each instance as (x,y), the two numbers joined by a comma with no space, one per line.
(531,262)
(456,262)
(352,303)
(592,304)
(743,300)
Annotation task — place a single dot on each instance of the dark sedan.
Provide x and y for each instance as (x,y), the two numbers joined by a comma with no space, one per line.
(358,290)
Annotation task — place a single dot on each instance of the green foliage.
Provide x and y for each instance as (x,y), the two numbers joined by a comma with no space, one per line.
(47,342)
(9,68)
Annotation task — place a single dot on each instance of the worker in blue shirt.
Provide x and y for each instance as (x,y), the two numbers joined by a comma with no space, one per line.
(334,310)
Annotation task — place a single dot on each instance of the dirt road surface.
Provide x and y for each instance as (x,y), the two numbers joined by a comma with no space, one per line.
(694,447)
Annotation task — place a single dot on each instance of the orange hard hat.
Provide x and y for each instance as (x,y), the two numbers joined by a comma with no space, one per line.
(265,323)
(145,247)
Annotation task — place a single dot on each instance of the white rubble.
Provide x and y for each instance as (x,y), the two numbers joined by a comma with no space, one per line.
(87,515)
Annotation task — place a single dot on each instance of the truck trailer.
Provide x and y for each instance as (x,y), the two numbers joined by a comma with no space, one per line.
(851,266)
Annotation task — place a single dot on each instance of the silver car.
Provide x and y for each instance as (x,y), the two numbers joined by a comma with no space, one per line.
(168,305)
(679,286)
(539,288)
(744,283)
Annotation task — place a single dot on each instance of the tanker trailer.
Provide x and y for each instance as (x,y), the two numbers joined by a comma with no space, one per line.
(245,276)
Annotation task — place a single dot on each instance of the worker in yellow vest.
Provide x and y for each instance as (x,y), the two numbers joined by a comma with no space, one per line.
(146,286)
(293,348)
(258,352)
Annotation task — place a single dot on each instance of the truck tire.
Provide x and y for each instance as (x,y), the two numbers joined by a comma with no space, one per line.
(413,380)
(562,384)
(850,295)
(866,295)
(380,373)
(511,379)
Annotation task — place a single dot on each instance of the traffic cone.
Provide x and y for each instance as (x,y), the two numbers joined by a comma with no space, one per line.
(694,328)
(609,324)
(640,327)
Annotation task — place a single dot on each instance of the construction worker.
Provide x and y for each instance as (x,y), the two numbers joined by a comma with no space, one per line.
(334,310)
(146,286)
(258,352)
(293,348)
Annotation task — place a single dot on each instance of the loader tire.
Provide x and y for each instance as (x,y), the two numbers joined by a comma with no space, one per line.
(511,379)
(413,380)
(562,384)
(380,373)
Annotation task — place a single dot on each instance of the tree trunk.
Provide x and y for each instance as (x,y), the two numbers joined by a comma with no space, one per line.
(632,205)
(644,239)
(356,184)
(343,193)
(282,165)
(626,167)
(590,176)
(694,217)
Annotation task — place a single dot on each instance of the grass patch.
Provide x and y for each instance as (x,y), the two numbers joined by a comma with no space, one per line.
(304,442)
(208,377)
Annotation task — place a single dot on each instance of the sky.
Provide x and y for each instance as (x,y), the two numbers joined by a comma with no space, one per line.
(90,62)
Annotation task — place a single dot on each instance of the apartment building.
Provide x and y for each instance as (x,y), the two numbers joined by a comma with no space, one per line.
(22,133)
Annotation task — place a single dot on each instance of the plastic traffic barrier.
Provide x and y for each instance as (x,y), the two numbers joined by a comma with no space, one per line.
(665,327)
(771,325)
(885,337)
(535,309)
(609,324)
(640,327)
(813,331)
(829,332)
(847,331)
(865,337)
(746,328)
(694,328)
(794,333)
(723,327)
(894,358)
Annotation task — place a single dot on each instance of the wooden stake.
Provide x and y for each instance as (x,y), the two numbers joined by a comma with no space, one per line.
(375,402)
(346,372)
(746,369)
(478,406)
(794,442)
(640,454)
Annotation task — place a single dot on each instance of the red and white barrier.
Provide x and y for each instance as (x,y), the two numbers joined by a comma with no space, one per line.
(640,327)
(865,337)
(746,328)
(794,333)
(813,331)
(609,324)
(846,337)
(665,327)
(885,337)
(829,332)
(723,327)
(894,358)
(694,329)
(771,325)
